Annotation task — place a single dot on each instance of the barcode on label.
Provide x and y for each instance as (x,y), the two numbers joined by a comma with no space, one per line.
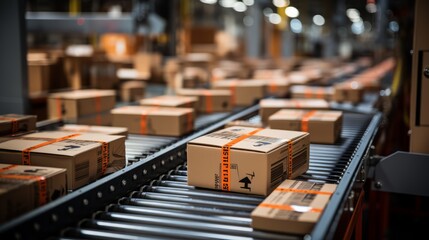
(81,171)
(264,139)
(299,159)
(291,215)
(224,135)
(277,172)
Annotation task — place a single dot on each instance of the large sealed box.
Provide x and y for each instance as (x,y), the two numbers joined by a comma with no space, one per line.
(94,129)
(350,91)
(293,207)
(323,126)
(247,160)
(132,91)
(209,100)
(15,123)
(244,92)
(171,101)
(70,106)
(154,120)
(269,106)
(85,156)
(300,91)
(23,188)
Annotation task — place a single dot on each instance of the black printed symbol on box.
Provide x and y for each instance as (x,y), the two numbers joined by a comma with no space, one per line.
(68,147)
(35,170)
(260,143)
(247,181)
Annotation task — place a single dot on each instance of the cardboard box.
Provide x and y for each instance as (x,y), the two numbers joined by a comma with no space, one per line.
(294,207)
(85,156)
(244,92)
(244,123)
(23,188)
(15,123)
(171,101)
(154,120)
(99,119)
(132,91)
(94,129)
(348,92)
(323,126)
(278,87)
(76,104)
(39,75)
(247,160)
(269,106)
(300,91)
(209,100)
(268,73)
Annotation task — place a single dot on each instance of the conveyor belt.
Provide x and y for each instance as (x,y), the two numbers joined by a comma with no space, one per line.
(164,206)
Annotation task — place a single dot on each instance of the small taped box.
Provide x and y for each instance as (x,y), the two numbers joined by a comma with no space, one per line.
(350,91)
(132,91)
(209,100)
(269,106)
(162,121)
(94,129)
(323,126)
(86,156)
(294,207)
(247,160)
(309,92)
(244,92)
(23,188)
(16,123)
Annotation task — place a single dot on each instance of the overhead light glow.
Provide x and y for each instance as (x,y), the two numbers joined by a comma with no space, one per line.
(280,3)
(296,26)
(292,12)
(358,28)
(227,3)
(267,12)
(209,1)
(274,18)
(393,26)
(358,19)
(319,20)
(371,7)
(248,21)
(249,2)
(240,7)
(352,13)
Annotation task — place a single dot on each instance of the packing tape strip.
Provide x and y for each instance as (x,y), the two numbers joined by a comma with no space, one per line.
(294,208)
(13,122)
(226,159)
(144,118)
(306,191)
(26,152)
(290,162)
(272,86)
(305,119)
(105,156)
(233,89)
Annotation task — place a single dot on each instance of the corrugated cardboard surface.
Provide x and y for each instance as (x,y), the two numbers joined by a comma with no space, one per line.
(348,92)
(94,129)
(171,101)
(20,190)
(258,163)
(323,126)
(82,155)
(14,123)
(154,120)
(210,100)
(269,106)
(244,92)
(294,207)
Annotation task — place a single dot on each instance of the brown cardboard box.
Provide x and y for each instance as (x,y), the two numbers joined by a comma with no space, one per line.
(323,126)
(85,156)
(39,75)
(99,119)
(269,106)
(132,91)
(300,91)
(293,207)
(154,120)
(171,101)
(244,123)
(247,160)
(350,91)
(212,100)
(14,123)
(23,188)
(244,92)
(82,103)
(94,129)
(268,73)
(278,87)
(298,78)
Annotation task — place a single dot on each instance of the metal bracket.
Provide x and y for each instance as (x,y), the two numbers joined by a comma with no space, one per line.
(403,172)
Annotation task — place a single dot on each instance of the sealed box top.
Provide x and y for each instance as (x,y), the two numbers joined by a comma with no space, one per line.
(317,115)
(83,94)
(294,103)
(143,110)
(8,117)
(239,83)
(315,89)
(203,92)
(60,142)
(264,140)
(94,129)
(9,169)
(167,100)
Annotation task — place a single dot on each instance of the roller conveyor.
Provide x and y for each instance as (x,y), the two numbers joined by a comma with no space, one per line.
(151,199)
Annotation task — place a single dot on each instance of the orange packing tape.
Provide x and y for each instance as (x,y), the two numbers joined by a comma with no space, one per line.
(98,109)
(288,207)
(305,118)
(104,156)
(144,118)
(7,168)
(233,88)
(272,87)
(308,93)
(26,152)
(290,162)
(13,122)
(41,182)
(306,191)
(209,101)
(320,93)
(226,159)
